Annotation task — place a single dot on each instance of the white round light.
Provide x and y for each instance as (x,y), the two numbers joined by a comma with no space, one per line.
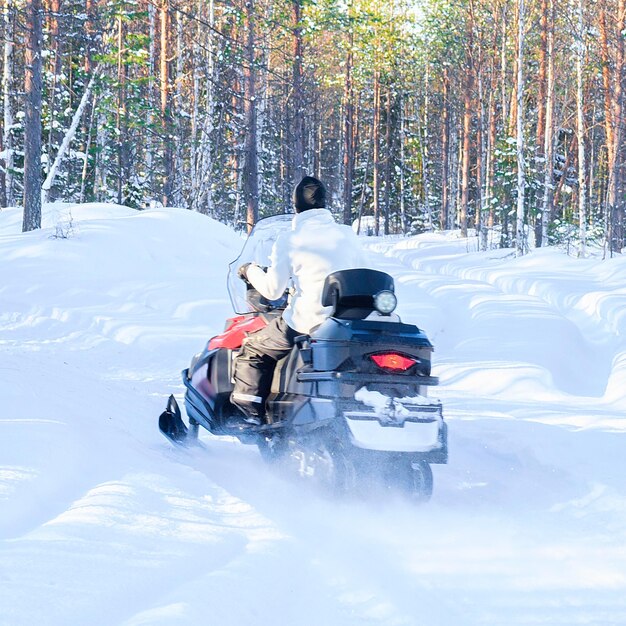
(385,302)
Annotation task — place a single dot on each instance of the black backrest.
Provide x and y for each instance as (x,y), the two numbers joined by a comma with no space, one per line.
(351,292)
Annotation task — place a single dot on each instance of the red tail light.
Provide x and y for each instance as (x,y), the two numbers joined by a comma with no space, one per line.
(393,361)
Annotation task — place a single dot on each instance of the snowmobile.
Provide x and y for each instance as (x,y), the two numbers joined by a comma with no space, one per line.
(349,406)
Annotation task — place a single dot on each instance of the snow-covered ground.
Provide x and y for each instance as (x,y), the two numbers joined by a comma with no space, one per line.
(103,522)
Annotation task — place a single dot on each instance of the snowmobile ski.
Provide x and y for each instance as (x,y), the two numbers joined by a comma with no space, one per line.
(171,423)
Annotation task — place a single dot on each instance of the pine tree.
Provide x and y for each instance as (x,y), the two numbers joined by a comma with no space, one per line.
(32,118)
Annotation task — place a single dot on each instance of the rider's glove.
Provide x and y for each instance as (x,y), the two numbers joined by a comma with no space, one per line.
(243,270)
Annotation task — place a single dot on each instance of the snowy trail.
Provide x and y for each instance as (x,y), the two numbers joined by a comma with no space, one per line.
(103,522)
(512,540)
(449,563)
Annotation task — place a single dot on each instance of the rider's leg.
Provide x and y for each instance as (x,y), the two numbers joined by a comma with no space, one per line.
(254,367)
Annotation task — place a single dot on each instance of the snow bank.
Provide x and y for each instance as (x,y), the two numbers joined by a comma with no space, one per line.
(103,522)
(545,326)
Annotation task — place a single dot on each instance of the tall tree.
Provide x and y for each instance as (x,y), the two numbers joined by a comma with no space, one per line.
(298,100)
(121,110)
(445,152)
(251,166)
(548,139)
(542,88)
(166,105)
(468,88)
(520,236)
(613,81)
(6,191)
(32,117)
(348,128)
(53,11)
(376,151)
(580,131)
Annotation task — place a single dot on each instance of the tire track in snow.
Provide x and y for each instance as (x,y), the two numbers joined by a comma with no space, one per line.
(384,561)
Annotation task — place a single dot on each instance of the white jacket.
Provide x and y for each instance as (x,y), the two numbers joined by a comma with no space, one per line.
(315,247)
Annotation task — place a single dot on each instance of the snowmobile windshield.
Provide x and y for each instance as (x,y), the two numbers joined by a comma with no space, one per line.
(257,249)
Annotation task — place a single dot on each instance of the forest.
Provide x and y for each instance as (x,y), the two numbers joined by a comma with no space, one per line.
(501,118)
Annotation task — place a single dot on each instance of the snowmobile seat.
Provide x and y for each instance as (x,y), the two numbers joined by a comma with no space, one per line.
(351,292)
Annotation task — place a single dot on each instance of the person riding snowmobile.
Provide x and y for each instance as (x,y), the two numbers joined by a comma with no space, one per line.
(300,260)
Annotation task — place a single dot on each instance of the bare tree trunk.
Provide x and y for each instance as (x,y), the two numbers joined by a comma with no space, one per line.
(298,95)
(315,142)
(53,11)
(580,132)
(594,181)
(480,149)
(403,220)
(348,134)
(520,238)
(121,113)
(541,78)
(91,7)
(613,123)
(166,109)
(264,96)
(548,138)
(616,194)
(503,70)
(150,89)
(541,110)
(388,148)
(178,173)
(203,161)
(467,130)
(491,141)
(7,77)
(606,82)
(194,153)
(376,156)
(32,118)
(490,168)
(250,167)
(101,170)
(445,152)
(365,176)
(468,93)
(425,152)
(457,167)
(83,180)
